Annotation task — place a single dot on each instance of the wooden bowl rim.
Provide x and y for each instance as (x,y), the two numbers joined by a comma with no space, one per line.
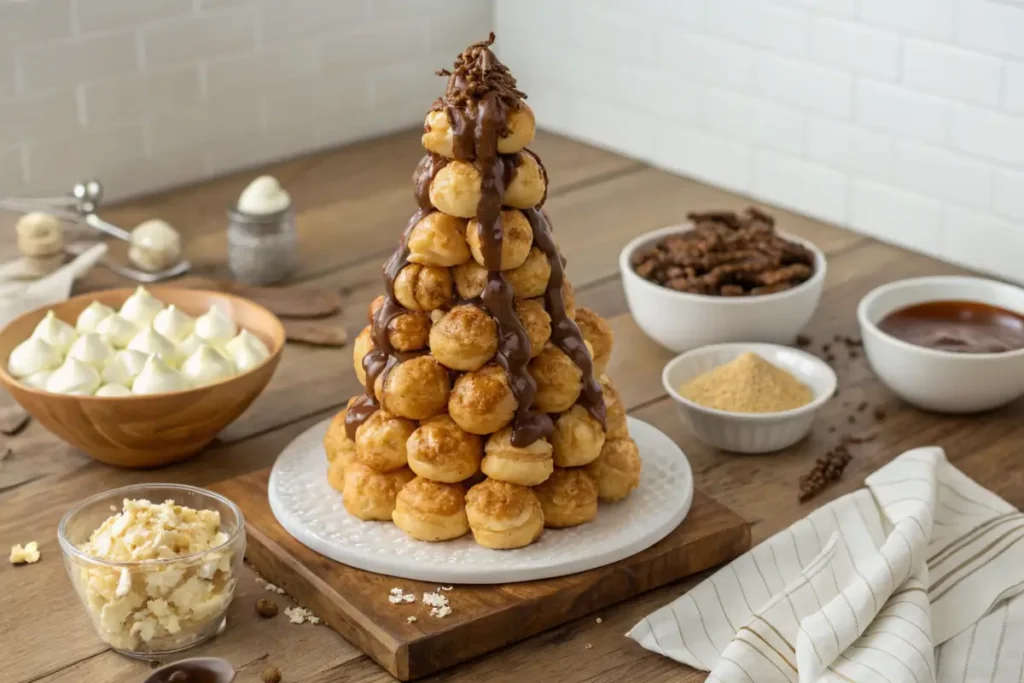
(7,379)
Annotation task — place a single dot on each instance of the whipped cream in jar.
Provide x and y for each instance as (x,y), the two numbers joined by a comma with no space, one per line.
(262,240)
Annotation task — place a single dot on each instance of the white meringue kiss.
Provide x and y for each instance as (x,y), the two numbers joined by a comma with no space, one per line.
(173,324)
(149,341)
(141,307)
(112,390)
(117,331)
(247,357)
(55,332)
(37,380)
(247,337)
(215,328)
(125,367)
(92,316)
(206,366)
(91,348)
(157,378)
(263,196)
(74,377)
(32,356)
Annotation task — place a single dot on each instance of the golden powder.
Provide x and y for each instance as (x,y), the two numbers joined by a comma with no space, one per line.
(749,384)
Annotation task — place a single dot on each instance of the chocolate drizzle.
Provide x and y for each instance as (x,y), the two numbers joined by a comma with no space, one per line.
(479,96)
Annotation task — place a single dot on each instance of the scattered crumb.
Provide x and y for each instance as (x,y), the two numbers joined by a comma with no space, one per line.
(113,508)
(266,608)
(447,588)
(831,429)
(274,589)
(271,675)
(411,620)
(299,615)
(588,646)
(879,414)
(851,419)
(398,596)
(803,341)
(29,554)
(599,620)
(440,607)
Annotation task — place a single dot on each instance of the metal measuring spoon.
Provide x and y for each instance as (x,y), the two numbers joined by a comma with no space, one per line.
(88,196)
(146,277)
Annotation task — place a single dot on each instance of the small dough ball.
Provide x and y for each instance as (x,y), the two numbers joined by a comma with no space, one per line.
(482,401)
(336,475)
(577,438)
(441,451)
(339,448)
(424,288)
(615,412)
(617,469)
(536,322)
(417,388)
(455,189)
(559,381)
(370,495)
(598,333)
(470,279)
(530,279)
(503,515)
(465,338)
(568,498)
(360,347)
(438,240)
(375,306)
(520,122)
(409,331)
(526,466)
(431,511)
(380,441)
(529,184)
(516,240)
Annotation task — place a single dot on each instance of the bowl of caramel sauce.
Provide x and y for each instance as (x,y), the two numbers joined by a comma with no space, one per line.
(948,344)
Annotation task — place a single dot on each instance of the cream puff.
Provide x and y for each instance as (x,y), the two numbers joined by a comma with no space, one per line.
(470,279)
(441,451)
(407,331)
(577,438)
(455,189)
(559,381)
(516,239)
(417,388)
(482,402)
(568,498)
(536,321)
(529,184)
(520,127)
(531,278)
(617,469)
(615,412)
(465,338)
(380,441)
(598,332)
(337,445)
(370,495)
(503,515)
(424,288)
(431,511)
(360,347)
(336,475)
(526,466)
(438,240)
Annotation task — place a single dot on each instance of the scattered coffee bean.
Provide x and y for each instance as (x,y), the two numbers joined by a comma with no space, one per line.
(826,471)
(831,430)
(830,358)
(266,608)
(879,414)
(851,419)
(862,406)
(803,341)
(271,675)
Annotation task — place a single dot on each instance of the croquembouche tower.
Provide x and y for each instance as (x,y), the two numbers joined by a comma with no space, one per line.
(486,409)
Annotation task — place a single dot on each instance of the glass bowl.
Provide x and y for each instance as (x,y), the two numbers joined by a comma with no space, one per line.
(155,606)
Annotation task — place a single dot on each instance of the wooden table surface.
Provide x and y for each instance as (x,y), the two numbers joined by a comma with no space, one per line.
(353,203)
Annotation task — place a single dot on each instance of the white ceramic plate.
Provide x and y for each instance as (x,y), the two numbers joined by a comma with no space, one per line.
(311,511)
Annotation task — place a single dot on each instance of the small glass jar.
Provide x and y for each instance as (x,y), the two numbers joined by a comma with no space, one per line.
(154,607)
(262,250)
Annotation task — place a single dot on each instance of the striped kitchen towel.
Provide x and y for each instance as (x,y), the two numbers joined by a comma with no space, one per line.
(913,579)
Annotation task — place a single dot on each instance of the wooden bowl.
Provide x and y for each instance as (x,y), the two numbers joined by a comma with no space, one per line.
(151,430)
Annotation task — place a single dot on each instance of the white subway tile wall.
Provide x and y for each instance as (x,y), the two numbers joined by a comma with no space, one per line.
(149,94)
(903,119)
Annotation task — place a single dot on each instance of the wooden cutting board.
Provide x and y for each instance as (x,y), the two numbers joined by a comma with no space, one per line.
(484,618)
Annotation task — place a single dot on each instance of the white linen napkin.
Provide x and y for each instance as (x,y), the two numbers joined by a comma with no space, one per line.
(18,295)
(913,579)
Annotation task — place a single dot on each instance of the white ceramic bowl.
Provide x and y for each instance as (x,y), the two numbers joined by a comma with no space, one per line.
(941,381)
(749,432)
(680,321)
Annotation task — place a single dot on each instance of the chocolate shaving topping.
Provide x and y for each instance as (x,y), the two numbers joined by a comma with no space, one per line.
(480,93)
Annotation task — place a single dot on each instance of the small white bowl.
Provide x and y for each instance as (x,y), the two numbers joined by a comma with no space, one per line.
(749,432)
(941,381)
(680,321)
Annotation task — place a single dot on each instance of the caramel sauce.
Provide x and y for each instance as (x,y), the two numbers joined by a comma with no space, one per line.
(957,326)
